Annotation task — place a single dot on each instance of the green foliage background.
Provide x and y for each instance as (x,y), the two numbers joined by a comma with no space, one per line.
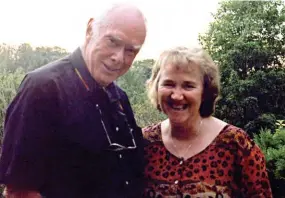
(273,146)
(9,83)
(247,41)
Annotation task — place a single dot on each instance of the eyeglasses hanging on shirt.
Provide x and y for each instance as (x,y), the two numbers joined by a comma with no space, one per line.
(119,110)
(113,145)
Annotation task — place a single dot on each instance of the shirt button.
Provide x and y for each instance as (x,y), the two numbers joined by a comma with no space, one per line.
(127,183)
(176,182)
(181,162)
(117,128)
(179,196)
(120,156)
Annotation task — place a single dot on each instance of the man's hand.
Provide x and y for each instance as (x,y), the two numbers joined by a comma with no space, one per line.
(9,192)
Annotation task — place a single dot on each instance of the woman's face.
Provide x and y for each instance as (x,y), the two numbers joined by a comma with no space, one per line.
(180,91)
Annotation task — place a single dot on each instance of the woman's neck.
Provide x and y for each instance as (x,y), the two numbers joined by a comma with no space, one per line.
(185,131)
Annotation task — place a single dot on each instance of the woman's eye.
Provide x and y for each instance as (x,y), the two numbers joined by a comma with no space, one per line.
(189,86)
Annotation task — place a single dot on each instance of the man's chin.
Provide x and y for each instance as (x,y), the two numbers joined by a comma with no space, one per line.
(105,81)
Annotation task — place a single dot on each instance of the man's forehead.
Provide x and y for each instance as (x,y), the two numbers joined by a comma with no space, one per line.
(120,36)
(126,25)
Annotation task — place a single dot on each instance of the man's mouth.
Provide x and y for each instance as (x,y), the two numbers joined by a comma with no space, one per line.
(110,69)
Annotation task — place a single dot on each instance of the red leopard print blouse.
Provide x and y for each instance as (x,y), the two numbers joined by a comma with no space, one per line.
(231,166)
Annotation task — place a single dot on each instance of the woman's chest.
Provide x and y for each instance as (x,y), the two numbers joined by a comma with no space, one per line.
(214,165)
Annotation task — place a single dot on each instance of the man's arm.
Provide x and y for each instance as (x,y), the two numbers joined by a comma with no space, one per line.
(27,143)
(10,192)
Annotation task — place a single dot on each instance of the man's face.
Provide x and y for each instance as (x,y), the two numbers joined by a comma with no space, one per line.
(111,49)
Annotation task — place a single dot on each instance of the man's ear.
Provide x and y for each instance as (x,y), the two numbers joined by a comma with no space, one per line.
(89,30)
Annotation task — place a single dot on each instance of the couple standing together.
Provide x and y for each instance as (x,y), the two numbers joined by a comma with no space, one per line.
(70,131)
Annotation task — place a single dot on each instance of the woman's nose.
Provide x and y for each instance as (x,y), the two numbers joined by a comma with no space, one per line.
(177,94)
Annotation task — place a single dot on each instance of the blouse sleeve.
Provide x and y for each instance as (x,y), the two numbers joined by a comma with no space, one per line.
(254,177)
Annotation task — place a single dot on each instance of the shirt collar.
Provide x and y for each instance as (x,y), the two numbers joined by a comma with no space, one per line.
(88,81)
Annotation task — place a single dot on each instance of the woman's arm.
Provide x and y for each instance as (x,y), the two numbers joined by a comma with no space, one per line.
(254,177)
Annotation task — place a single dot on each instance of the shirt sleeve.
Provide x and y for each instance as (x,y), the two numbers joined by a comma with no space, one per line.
(28,128)
(254,176)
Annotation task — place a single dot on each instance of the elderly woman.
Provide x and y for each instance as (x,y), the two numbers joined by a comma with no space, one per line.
(192,153)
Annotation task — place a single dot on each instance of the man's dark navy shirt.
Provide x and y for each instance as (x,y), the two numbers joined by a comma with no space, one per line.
(55,142)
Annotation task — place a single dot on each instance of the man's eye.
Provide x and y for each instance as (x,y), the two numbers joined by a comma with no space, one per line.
(130,52)
(111,41)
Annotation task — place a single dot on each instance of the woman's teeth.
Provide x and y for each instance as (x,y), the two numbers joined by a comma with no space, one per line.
(178,107)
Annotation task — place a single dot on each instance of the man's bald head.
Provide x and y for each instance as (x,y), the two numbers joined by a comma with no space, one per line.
(124,10)
(122,15)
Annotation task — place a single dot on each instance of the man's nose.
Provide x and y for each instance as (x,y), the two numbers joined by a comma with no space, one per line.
(118,56)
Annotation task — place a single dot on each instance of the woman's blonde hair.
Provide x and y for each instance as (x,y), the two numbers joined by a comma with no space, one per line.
(186,58)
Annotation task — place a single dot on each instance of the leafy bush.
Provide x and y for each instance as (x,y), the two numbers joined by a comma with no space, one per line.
(263,121)
(9,83)
(133,82)
(273,147)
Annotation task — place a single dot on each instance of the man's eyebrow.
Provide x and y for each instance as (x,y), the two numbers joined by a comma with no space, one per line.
(115,38)
(134,47)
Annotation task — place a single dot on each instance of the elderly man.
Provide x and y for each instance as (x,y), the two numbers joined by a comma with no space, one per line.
(70,131)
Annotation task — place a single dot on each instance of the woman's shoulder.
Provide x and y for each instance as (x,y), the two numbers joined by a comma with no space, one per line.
(234,135)
(152,132)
